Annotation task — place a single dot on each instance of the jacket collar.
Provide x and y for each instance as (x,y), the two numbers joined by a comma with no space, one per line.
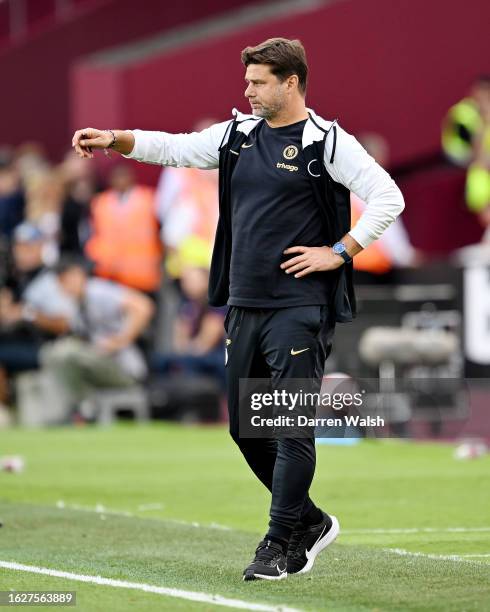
(314,130)
(246,123)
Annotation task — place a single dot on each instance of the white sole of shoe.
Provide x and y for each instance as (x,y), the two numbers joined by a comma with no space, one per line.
(320,544)
(264,577)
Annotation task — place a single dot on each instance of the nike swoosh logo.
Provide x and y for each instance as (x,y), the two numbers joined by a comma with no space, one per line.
(293,352)
(246,146)
(281,570)
(307,552)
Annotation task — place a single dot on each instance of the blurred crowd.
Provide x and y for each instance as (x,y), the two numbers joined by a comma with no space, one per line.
(89,268)
(103,283)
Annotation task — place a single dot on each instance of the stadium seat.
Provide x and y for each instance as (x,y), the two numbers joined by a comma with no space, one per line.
(406,347)
(109,402)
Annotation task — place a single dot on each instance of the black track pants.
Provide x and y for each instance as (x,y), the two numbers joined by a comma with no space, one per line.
(259,345)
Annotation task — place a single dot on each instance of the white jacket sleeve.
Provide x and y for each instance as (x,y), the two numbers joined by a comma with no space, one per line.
(354,168)
(194,150)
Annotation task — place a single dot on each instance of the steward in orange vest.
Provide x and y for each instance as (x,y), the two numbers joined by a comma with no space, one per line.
(125,245)
(392,250)
(374,259)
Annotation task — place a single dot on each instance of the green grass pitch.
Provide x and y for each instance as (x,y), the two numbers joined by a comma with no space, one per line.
(177,507)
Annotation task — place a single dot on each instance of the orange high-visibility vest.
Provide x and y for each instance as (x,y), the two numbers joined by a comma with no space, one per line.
(195,199)
(202,190)
(125,244)
(372,259)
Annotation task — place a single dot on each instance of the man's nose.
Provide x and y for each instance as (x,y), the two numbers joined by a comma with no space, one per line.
(249,92)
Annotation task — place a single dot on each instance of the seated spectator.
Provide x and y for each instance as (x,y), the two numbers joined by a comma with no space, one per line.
(102,351)
(125,244)
(33,308)
(198,332)
(464,121)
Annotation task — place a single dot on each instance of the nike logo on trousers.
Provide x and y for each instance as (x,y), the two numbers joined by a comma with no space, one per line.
(293,352)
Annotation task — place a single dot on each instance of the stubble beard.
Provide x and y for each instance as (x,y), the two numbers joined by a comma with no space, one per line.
(270,111)
(265,112)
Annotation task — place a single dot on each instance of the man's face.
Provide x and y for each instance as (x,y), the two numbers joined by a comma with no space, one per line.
(28,255)
(265,92)
(194,283)
(122,178)
(9,180)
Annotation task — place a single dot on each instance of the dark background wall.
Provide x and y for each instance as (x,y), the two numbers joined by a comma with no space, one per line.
(381,65)
(392,67)
(377,65)
(34,73)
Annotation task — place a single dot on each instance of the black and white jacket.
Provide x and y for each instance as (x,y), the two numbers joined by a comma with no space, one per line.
(337,164)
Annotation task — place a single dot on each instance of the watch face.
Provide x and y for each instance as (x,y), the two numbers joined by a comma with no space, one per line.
(338,248)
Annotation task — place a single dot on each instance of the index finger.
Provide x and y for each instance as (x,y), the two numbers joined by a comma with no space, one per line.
(76,137)
(293,261)
(86,133)
(296,249)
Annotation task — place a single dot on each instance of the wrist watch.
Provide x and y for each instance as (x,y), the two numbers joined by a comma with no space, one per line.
(339,248)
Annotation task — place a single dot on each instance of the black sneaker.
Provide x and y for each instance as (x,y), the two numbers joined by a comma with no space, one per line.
(307,542)
(269,563)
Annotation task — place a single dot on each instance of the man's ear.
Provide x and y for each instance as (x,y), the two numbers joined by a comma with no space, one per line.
(292,82)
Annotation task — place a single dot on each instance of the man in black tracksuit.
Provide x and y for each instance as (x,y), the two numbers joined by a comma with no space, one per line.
(277,326)
(282,261)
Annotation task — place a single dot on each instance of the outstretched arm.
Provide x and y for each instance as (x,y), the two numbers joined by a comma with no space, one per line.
(194,150)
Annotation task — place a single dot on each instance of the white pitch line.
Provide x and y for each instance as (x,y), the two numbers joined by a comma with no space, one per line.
(100,509)
(407,553)
(97,509)
(195,524)
(149,507)
(217,600)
